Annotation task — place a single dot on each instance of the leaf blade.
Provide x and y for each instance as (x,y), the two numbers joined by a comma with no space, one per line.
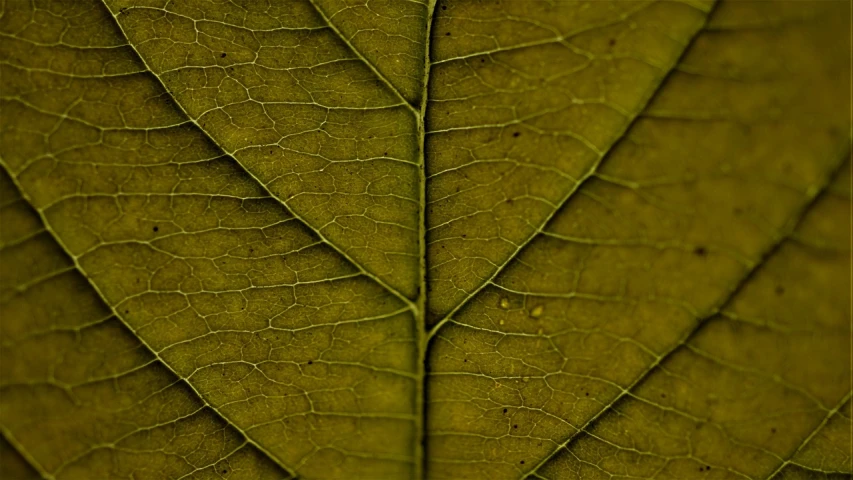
(552,340)
(320,131)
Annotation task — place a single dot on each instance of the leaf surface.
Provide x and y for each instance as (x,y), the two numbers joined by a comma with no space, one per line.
(381,239)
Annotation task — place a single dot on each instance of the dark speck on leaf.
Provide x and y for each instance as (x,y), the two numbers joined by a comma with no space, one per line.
(223,55)
(587,394)
(448,34)
(516,134)
(310,362)
(773,430)
(522,462)
(779,290)
(504,410)
(444,7)
(700,251)
(515,426)
(156,228)
(612,42)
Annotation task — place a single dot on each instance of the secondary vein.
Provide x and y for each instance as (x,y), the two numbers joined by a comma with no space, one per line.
(571,193)
(795,222)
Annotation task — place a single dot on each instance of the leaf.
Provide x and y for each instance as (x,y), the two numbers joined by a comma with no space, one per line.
(463,239)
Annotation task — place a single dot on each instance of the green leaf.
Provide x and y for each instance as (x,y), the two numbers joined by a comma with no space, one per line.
(454,239)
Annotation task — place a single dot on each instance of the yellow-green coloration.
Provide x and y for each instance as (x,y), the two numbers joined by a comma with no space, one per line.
(387,239)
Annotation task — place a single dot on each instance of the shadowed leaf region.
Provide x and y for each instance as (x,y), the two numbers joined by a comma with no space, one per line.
(382,239)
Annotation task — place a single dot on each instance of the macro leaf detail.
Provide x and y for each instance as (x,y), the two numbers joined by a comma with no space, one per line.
(425,239)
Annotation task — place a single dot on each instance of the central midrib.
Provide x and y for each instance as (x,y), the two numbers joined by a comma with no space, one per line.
(419,112)
(420,316)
